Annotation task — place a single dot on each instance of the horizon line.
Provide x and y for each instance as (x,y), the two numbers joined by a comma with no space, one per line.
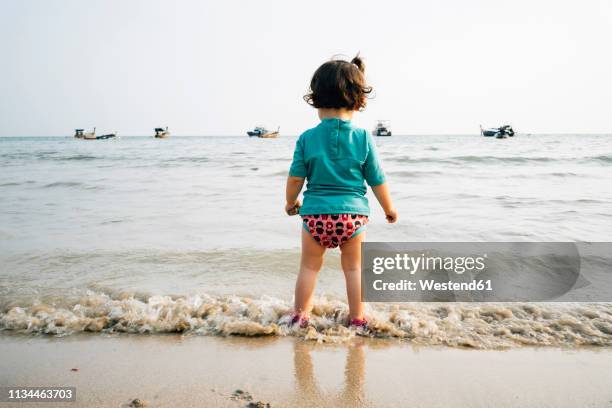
(295,135)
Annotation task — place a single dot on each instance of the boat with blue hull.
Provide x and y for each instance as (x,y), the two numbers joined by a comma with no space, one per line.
(263,133)
(501,132)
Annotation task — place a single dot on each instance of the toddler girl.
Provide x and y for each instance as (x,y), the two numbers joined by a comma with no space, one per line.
(337,159)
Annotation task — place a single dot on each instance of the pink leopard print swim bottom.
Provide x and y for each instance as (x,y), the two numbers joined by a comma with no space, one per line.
(332,230)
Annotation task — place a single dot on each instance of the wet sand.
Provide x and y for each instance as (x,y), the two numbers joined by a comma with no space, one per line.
(190,371)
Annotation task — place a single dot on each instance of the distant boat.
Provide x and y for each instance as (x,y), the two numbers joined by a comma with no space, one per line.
(81,134)
(382,128)
(161,133)
(263,133)
(501,132)
(107,136)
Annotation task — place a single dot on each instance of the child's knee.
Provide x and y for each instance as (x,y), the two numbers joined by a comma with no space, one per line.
(311,267)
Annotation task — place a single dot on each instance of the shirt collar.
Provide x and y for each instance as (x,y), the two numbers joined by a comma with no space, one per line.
(336,122)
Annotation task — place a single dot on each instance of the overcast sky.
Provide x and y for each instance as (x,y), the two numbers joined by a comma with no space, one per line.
(221,67)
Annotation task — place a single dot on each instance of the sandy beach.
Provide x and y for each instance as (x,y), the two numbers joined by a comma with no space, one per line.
(196,371)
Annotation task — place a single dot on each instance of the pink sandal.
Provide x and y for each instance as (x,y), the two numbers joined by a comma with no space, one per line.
(300,320)
(359,323)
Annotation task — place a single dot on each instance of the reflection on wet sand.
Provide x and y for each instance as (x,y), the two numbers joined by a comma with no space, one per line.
(308,390)
(235,372)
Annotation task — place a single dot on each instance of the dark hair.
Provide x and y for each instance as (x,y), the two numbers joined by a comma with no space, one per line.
(339,84)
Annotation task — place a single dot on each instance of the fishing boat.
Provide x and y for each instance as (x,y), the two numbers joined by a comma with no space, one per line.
(107,136)
(501,132)
(382,128)
(161,133)
(81,134)
(262,132)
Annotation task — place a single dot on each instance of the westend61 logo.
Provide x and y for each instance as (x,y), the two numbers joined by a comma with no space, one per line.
(486,272)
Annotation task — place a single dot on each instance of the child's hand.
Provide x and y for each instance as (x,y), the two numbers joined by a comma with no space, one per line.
(391,215)
(293,209)
(381,192)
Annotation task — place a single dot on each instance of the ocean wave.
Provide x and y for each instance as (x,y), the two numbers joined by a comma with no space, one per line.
(470,159)
(280,173)
(486,159)
(77,157)
(16,155)
(413,174)
(483,326)
(63,184)
(605,159)
(188,159)
(563,174)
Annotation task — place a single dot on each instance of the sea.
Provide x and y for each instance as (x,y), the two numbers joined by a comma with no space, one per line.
(188,235)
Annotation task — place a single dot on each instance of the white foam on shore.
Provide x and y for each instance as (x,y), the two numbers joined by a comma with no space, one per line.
(484,326)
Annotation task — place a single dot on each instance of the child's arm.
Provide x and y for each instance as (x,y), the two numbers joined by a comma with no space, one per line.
(381,192)
(295,181)
(375,176)
(294,186)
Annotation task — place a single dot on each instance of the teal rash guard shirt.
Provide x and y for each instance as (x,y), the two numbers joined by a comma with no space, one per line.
(337,159)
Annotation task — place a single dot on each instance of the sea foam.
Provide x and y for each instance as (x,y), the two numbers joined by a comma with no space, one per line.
(483,326)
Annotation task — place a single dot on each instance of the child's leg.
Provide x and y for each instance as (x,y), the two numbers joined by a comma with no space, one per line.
(310,265)
(351,265)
